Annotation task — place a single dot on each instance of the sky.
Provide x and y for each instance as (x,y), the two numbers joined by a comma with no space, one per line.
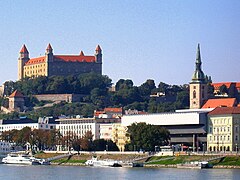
(140,40)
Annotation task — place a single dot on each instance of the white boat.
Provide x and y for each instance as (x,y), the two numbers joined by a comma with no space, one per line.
(102,163)
(195,165)
(20,159)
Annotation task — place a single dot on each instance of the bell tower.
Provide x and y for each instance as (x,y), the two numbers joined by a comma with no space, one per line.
(198,85)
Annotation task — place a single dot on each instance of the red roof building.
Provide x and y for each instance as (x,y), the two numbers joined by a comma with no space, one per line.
(221,102)
(225,110)
(58,65)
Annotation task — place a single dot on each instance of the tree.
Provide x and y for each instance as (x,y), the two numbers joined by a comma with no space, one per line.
(86,141)
(146,88)
(163,87)
(145,136)
(223,89)
(102,144)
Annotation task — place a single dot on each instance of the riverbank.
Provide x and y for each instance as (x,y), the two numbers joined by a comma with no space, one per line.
(224,162)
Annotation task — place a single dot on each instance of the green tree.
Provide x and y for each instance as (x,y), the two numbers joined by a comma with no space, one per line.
(223,89)
(145,136)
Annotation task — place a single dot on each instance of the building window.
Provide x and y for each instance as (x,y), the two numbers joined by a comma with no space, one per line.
(194,94)
(236,138)
(210,130)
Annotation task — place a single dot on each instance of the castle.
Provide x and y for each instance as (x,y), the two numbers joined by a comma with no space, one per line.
(59,65)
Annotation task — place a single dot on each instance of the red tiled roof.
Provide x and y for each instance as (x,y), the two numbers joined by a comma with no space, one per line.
(35,60)
(72,58)
(238,85)
(97,113)
(24,49)
(116,110)
(222,102)
(225,110)
(16,93)
(218,85)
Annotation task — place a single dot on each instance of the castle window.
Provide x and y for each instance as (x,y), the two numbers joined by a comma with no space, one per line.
(194,94)
(194,87)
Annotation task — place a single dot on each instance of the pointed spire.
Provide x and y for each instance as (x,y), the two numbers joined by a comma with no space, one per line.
(24,49)
(198,75)
(98,48)
(16,93)
(81,53)
(198,56)
(49,47)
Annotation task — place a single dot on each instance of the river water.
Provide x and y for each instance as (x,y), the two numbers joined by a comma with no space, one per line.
(15,172)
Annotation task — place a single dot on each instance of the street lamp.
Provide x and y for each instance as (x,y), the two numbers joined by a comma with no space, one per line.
(203,148)
(236,148)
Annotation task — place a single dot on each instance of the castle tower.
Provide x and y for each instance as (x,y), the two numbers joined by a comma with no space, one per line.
(98,54)
(22,59)
(49,53)
(49,59)
(198,85)
(16,101)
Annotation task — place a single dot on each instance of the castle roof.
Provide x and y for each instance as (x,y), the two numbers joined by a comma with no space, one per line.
(65,58)
(225,110)
(16,93)
(24,49)
(98,48)
(221,102)
(81,53)
(74,58)
(35,60)
(49,47)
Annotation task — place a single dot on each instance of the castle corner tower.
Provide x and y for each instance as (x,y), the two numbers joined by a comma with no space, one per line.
(198,85)
(22,59)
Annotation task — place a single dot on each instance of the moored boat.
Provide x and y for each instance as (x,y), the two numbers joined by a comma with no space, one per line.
(102,163)
(21,159)
(195,165)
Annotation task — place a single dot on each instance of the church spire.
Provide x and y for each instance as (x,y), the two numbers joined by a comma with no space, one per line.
(198,75)
(198,56)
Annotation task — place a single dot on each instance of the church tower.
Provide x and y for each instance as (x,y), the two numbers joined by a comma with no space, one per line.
(198,85)
(22,59)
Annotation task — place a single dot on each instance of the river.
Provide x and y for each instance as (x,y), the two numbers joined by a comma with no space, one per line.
(15,172)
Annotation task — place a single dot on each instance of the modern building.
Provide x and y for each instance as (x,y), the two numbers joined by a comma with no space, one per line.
(186,127)
(198,85)
(224,129)
(78,126)
(46,123)
(59,65)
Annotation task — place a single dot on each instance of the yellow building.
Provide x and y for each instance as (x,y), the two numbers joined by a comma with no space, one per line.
(119,136)
(58,65)
(223,129)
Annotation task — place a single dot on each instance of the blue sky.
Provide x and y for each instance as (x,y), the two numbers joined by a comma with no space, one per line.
(141,39)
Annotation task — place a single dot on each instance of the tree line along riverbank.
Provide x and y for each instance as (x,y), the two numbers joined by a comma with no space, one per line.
(232,161)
